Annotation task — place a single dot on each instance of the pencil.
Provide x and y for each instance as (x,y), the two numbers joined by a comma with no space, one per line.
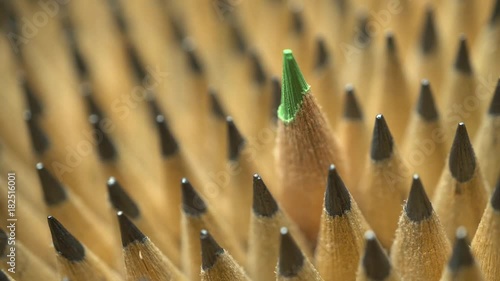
(374,264)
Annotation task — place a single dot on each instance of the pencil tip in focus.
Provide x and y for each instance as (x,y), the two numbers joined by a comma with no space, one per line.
(129,231)
(418,207)
(337,198)
(263,201)
(462,161)
(293,88)
(382,142)
(64,242)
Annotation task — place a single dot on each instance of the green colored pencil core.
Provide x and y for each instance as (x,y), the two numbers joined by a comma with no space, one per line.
(293,88)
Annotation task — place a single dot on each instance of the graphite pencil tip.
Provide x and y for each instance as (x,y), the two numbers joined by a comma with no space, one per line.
(337,198)
(263,201)
(92,106)
(34,105)
(322,54)
(495,15)
(428,38)
(495,198)
(39,139)
(210,250)
(120,200)
(192,203)
(129,231)
(139,70)
(375,261)
(352,109)
(495,102)
(276,96)
(168,142)
(462,161)
(105,147)
(154,107)
(53,190)
(390,43)
(293,88)
(461,255)
(364,36)
(259,74)
(291,258)
(418,207)
(194,61)
(426,107)
(462,61)
(297,20)
(217,109)
(238,36)
(236,142)
(382,142)
(64,242)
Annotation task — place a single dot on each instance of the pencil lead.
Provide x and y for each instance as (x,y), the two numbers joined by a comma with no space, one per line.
(390,43)
(495,102)
(259,75)
(364,36)
(264,204)
(92,106)
(297,20)
(3,276)
(33,102)
(322,55)
(276,96)
(495,198)
(462,62)
(53,191)
(418,207)
(382,142)
(461,255)
(337,198)
(64,242)
(194,62)
(4,240)
(116,10)
(136,64)
(210,250)
(129,231)
(352,109)
(428,38)
(238,36)
(192,203)
(426,107)
(291,258)
(217,109)
(495,15)
(177,28)
(39,139)
(374,260)
(79,62)
(168,142)
(120,200)
(154,107)
(293,88)
(105,147)
(462,159)
(236,141)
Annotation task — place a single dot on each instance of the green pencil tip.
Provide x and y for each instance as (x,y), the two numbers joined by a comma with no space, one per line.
(293,88)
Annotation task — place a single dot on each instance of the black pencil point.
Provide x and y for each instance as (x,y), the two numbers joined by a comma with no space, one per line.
(129,231)
(64,242)
(461,255)
(217,109)
(92,106)
(79,61)
(495,198)
(120,200)
(337,198)
(263,201)
(364,36)
(39,139)
(53,190)
(495,102)
(32,101)
(297,20)
(210,250)
(259,75)
(382,142)
(291,258)
(390,43)
(418,207)
(236,141)
(462,160)
(352,109)
(428,39)
(276,96)
(375,262)
(426,107)
(495,15)
(238,36)
(154,107)
(462,62)
(169,145)
(322,55)
(193,59)
(105,147)
(192,203)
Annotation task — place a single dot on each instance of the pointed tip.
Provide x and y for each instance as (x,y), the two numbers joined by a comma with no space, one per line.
(34,105)
(428,38)
(129,231)
(120,200)
(495,102)
(352,109)
(291,258)
(495,14)
(461,255)
(105,146)
(168,142)
(293,88)
(322,54)
(337,198)
(210,250)
(495,198)
(259,73)
(217,109)
(374,260)
(297,20)
(189,48)
(264,204)
(426,107)
(64,242)
(364,34)
(192,203)
(390,43)
(462,61)
(382,144)
(92,106)
(39,139)
(53,191)
(418,207)
(154,107)
(462,161)
(136,64)
(238,36)
(236,142)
